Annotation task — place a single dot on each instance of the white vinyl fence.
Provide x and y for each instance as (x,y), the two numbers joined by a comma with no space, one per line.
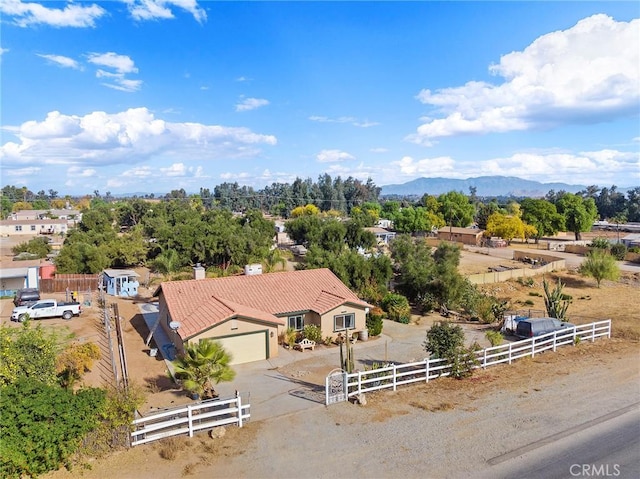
(190,419)
(394,375)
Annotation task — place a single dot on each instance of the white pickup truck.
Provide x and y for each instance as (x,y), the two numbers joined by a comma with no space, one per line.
(46,308)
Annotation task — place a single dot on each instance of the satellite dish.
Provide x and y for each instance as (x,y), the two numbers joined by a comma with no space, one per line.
(175,325)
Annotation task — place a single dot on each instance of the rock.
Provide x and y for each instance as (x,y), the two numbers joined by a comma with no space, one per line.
(362,400)
(217,432)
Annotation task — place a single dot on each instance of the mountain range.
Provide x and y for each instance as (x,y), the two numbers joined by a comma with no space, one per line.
(487,186)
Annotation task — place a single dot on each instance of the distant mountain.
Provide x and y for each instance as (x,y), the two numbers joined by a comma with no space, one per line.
(485,186)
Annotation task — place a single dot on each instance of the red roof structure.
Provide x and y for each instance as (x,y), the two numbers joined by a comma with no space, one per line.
(199,304)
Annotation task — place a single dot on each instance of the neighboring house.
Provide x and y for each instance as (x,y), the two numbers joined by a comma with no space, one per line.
(248,313)
(33,227)
(13,279)
(385,223)
(72,216)
(120,282)
(470,236)
(631,240)
(382,235)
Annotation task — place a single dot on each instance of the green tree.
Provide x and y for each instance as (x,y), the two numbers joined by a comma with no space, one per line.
(456,209)
(202,365)
(37,246)
(600,265)
(28,352)
(543,215)
(167,262)
(444,339)
(43,425)
(579,213)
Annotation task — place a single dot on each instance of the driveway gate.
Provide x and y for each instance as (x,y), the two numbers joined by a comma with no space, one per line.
(336,387)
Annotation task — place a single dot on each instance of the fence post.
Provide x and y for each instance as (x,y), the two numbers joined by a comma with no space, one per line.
(394,377)
(190,418)
(574,335)
(426,361)
(608,328)
(533,347)
(359,382)
(554,340)
(510,352)
(239,404)
(593,332)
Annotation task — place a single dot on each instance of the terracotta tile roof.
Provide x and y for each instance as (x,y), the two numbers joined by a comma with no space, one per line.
(200,304)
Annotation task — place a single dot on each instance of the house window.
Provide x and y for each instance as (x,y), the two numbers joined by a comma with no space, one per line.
(344,321)
(33,227)
(296,322)
(18,228)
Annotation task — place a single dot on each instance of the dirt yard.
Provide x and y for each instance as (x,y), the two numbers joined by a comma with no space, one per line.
(394,434)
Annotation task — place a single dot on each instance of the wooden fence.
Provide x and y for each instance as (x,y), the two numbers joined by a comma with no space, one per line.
(190,419)
(394,375)
(71,282)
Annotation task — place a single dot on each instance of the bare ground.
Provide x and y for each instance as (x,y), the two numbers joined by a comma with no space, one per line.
(445,428)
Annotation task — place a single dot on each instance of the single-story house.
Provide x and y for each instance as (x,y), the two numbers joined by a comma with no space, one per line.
(120,282)
(33,227)
(248,313)
(382,235)
(470,236)
(70,215)
(631,240)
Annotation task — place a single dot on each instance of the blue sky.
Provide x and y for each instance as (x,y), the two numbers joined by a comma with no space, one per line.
(154,95)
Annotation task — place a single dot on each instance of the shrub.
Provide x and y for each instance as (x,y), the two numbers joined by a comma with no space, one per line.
(397,307)
(600,243)
(494,337)
(290,337)
(374,322)
(444,339)
(312,333)
(618,251)
(463,362)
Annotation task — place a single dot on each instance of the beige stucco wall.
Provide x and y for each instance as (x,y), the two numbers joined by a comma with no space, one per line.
(233,327)
(327,319)
(223,329)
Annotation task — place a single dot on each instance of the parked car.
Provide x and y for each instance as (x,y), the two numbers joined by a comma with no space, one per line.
(529,328)
(26,297)
(46,308)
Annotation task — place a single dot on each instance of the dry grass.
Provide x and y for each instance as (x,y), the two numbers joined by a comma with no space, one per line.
(445,394)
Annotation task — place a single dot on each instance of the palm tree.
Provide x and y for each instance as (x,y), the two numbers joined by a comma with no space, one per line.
(274,258)
(167,262)
(202,365)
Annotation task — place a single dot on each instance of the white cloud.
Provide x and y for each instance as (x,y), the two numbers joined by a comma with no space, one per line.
(62,61)
(161,9)
(76,171)
(24,172)
(441,166)
(3,51)
(332,156)
(247,104)
(379,150)
(131,136)
(72,15)
(120,63)
(587,73)
(344,119)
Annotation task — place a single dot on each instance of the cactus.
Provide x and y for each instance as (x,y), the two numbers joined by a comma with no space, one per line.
(555,301)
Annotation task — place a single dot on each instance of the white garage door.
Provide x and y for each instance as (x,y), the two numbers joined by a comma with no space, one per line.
(246,347)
